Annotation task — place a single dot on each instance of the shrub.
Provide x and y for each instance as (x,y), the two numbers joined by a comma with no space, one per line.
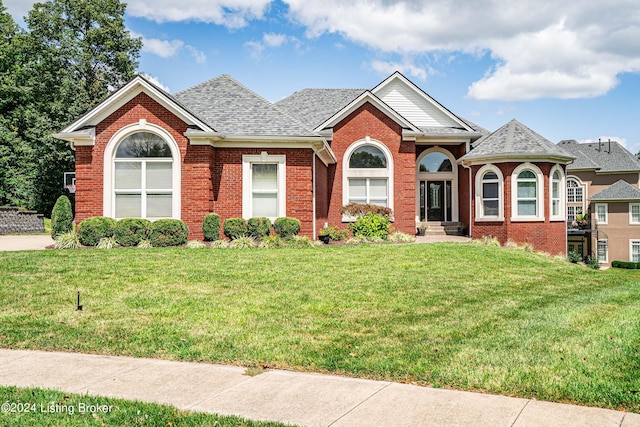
(130,231)
(61,217)
(300,242)
(107,243)
(270,242)
(219,244)
(286,227)
(488,240)
(361,209)
(626,265)
(195,244)
(168,232)
(574,257)
(259,227)
(211,227)
(92,230)
(370,225)
(592,262)
(335,233)
(234,228)
(68,240)
(243,242)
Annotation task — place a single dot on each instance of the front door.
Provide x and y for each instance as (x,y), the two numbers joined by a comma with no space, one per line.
(435,200)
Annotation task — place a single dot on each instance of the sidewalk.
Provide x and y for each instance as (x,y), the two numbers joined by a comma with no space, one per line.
(290,397)
(21,242)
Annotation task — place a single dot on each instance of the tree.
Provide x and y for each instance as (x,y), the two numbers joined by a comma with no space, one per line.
(72,55)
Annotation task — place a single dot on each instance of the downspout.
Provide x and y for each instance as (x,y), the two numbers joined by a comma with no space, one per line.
(313,191)
(471,198)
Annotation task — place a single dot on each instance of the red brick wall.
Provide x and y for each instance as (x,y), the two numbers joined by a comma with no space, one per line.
(194,160)
(227,183)
(369,121)
(322,194)
(546,236)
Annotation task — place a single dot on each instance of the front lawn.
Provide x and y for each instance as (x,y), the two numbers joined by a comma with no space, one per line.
(445,315)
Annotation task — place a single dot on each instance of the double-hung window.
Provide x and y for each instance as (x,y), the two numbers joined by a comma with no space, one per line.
(634,250)
(263,186)
(601,213)
(489,194)
(603,251)
(634,213)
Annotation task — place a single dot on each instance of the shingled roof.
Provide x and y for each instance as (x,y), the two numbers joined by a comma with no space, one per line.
(621,190)
(515,141)
(603,157)
(232,108)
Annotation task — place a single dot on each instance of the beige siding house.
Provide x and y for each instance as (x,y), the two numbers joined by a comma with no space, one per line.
(603,202)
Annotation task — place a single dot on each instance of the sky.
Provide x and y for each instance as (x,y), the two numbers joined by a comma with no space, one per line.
(567,70)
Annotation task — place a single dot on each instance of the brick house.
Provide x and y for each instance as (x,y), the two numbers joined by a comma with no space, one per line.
(603,201)
(219,147)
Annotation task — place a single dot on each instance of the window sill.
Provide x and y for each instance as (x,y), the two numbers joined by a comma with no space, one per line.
(489,219)
(527,219)
(557,219)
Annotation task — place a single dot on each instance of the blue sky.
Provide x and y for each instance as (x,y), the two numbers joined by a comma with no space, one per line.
(568,70)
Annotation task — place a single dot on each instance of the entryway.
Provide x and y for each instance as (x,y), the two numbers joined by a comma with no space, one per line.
(436,186)
(435,201)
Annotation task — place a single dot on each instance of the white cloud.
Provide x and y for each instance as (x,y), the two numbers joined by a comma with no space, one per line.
(169,48)
(156,82)
(199,56)
(405,67)
(269,41)
(542,49)
(230,13)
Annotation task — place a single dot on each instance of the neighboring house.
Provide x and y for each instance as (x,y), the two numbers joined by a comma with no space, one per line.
(219,147)
(603,201)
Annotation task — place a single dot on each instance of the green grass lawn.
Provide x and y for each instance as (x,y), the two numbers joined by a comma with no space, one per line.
(36,407)
(445,315)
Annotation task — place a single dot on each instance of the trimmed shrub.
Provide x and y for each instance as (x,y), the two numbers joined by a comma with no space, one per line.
(361,209)
(68,240)
(91,230)
(61,217)
(211,227)
(234,228)
(168,232)
(130,231)
(259,227)
(626,264)
(371,225)
(286,227)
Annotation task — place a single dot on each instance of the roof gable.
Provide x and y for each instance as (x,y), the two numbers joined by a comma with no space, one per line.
(123,95)
(415,105)
(234,109)
(515,141)
(620,190)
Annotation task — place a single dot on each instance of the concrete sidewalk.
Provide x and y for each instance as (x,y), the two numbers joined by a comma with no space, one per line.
(22,242)
(290,397)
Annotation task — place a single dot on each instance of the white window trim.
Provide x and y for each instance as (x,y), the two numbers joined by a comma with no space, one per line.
(247,199)
(562,210)
(539,216)
(631,242)
(478,197)
(347,172)
(108,195)
(606,254)
(606,213)
(580,185)
(631,221)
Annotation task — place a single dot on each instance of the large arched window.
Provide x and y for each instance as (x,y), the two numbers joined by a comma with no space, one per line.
(368,174)
(489,194)
(143,184)
(142,173)
(435,162)
(527,187)
(575,199)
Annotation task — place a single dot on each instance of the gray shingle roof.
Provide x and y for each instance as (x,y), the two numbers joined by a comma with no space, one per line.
(231,108)
(517,140)
(314,106)
(602,157)
(621,190)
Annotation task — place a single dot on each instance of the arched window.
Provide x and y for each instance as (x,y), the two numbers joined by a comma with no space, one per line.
(557,194)
(435,162)
(489,194)
(527,185)
(143,177)
(367,174)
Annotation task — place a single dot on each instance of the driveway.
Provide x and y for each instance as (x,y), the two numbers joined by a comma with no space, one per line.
(22,242)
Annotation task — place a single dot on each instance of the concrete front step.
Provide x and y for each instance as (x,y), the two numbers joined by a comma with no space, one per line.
(443,228)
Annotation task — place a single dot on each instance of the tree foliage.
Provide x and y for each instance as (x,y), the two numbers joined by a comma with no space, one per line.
(72,54)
